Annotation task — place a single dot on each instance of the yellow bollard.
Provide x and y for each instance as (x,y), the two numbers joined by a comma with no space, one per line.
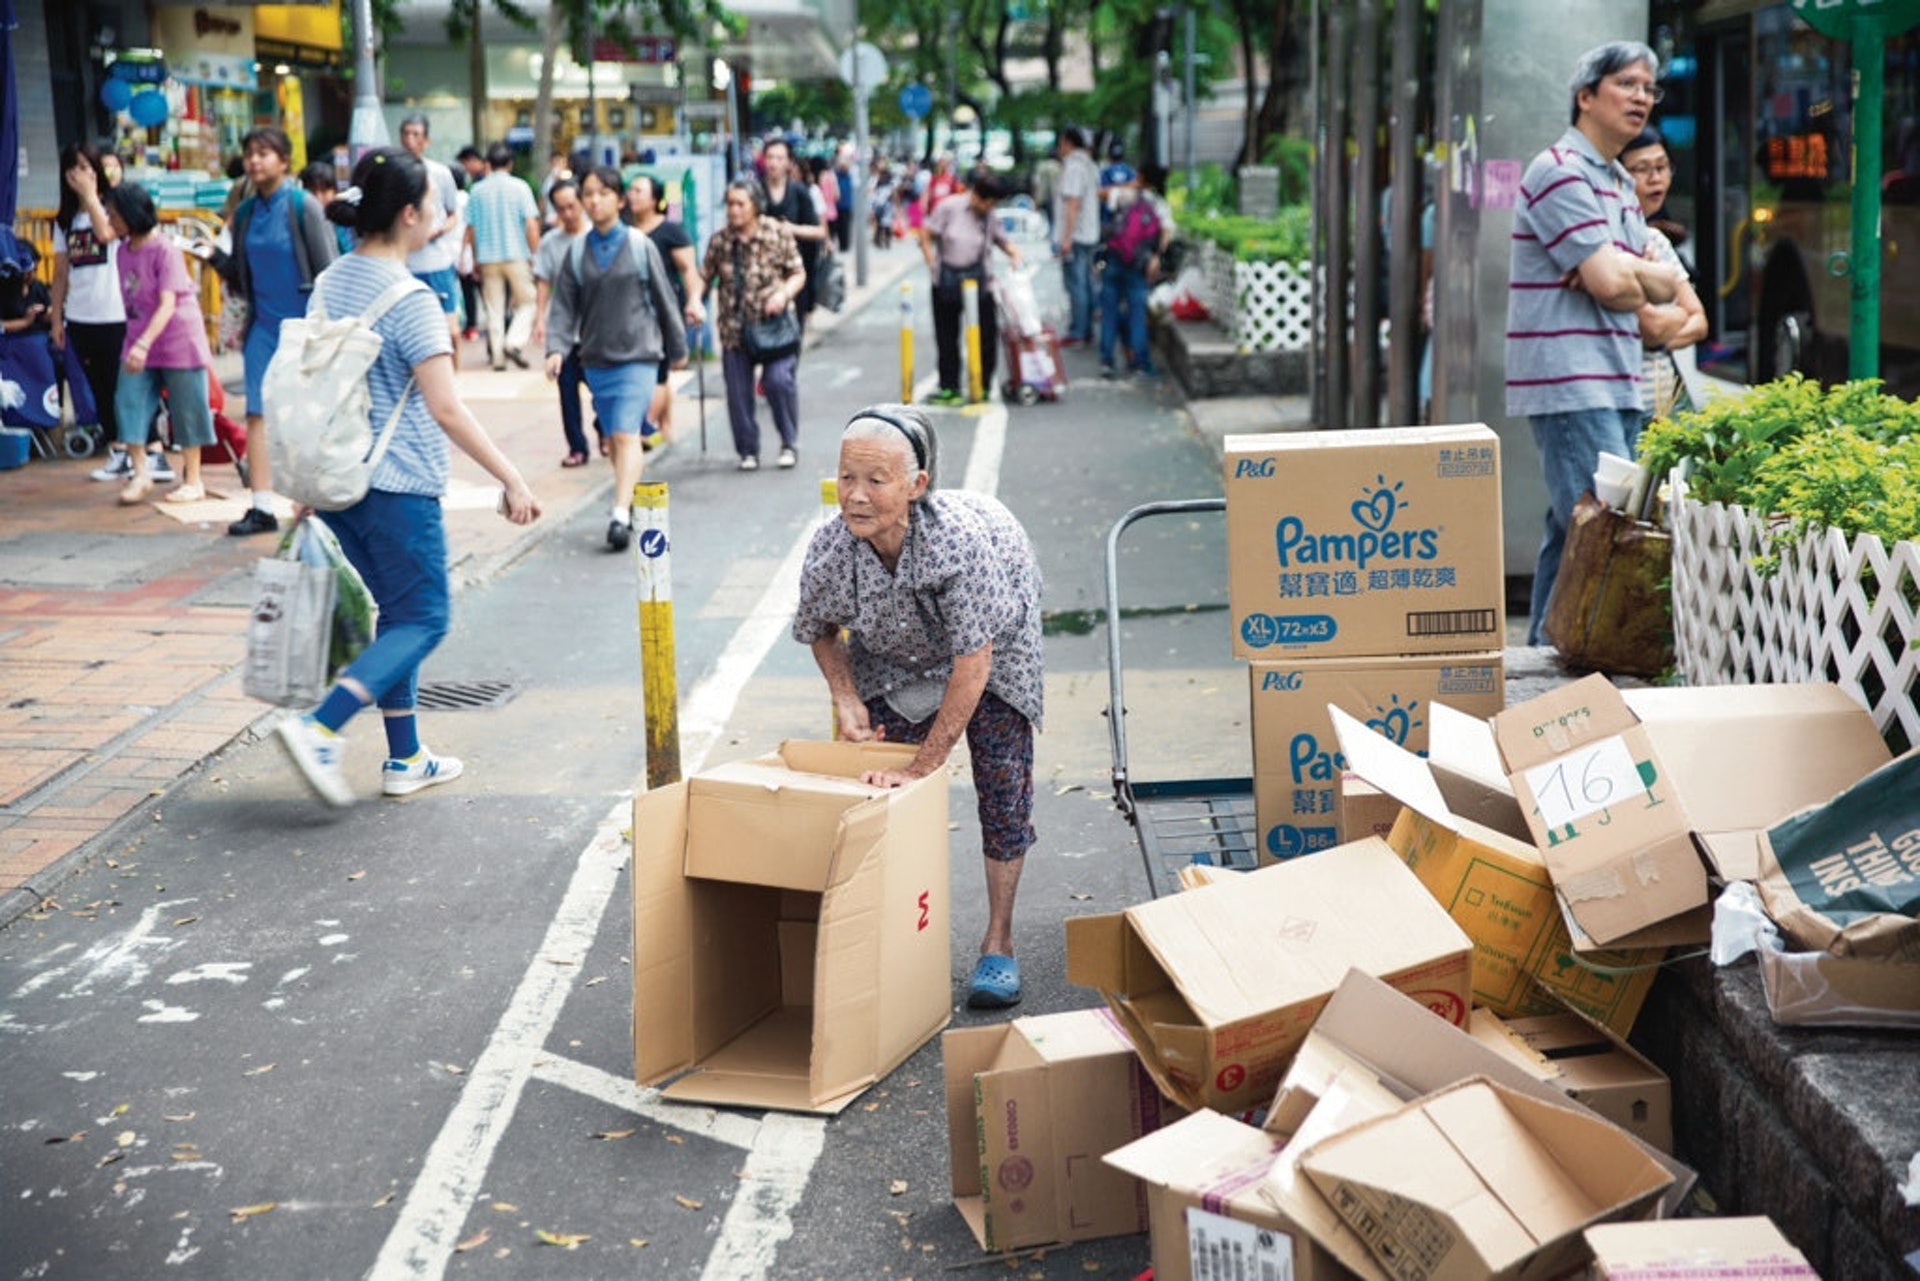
(653,568)
(906,343)
(970,310)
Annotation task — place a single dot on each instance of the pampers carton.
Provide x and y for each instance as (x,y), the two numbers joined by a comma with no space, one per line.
(1032,1106)
(1344,544)
(790,927)
(1296,762)
(1494,883)
(1217,986)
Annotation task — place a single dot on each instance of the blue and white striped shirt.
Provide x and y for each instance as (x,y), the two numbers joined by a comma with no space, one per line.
(497,209)
(414,330)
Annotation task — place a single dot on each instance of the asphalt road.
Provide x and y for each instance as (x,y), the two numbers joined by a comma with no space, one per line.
(264,1039)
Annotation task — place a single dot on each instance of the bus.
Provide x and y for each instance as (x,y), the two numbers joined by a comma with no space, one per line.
(1758,114)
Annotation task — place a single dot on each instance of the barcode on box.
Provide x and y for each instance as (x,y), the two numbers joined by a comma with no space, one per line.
(1451,622)
(1223,1249)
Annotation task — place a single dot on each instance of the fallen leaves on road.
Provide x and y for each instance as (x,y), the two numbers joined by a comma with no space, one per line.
(614,1134)
(473,1242)
(687,1202)
(1070,787)
(178,1116)
(184,920)
(384,1201)
(505,1207)
(125,1138)
(565,1240)
(244,1212)
(897,1188)
(262,1070)
(354,876)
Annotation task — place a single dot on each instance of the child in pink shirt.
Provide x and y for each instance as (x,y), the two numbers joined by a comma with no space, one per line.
(166,345)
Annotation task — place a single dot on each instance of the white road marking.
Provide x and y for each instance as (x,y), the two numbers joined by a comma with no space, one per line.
(989,446)
(234,972)
(116,958)
(761,1216)
(732,1128)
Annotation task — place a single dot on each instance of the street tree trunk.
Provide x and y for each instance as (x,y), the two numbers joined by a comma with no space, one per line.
(543,133)
(477,74)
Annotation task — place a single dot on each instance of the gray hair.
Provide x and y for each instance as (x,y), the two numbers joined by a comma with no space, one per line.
(1598,63)
(905,427)
(417,118)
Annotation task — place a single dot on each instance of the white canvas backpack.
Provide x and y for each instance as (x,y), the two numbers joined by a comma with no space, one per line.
(319,410)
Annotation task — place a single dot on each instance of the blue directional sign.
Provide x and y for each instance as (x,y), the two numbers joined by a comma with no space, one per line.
(916,100)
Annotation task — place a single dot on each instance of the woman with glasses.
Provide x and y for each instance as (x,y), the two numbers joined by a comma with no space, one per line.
(1664,327)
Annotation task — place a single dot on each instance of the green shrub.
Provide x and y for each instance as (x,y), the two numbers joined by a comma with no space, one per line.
(1286,237)
(1848,456)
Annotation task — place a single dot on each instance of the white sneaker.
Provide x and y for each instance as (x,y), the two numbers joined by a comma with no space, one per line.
(423,769)
(119,466)
(318,754)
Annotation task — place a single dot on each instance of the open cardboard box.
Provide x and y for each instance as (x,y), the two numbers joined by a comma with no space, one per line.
(1478,1181)
(1492,881)
(1217,986)
(1032,1107)
(1371,1050)
(790,927)
(1592,1065)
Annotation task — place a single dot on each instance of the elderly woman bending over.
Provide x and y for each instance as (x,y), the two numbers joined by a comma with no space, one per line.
(923,611)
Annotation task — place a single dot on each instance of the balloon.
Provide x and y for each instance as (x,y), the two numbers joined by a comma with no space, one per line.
(115,94)
(149,109)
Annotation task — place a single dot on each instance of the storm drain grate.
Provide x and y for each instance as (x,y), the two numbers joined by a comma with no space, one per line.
(462,696)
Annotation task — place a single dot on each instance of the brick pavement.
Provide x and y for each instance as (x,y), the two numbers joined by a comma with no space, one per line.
(123,629)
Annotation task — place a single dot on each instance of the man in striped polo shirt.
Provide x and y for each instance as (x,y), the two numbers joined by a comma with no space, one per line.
(1579,274)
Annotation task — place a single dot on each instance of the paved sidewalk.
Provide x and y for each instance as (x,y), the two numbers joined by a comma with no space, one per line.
(123,629)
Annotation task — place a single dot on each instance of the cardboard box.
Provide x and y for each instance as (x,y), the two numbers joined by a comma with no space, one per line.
(1743,757)
(1032,1107)
(1365,810)
(1217,986)
(1479,1181)
(1591,1065)
(1297,764)
(1744,1249)
(790,927)
(1344,544)
(1495,886)
(1818,989)
(1218,1184)
(1605,815)
(1367,1034)
(1224,1192)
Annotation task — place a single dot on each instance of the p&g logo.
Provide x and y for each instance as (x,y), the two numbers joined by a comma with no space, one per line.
(1374,512)
(1253,469)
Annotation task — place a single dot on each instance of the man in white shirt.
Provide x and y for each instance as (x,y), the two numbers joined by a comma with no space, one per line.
(1076,232)
(432,263)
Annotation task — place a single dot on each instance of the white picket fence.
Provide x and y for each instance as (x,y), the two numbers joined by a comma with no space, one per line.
(1263,306)
(1838,609)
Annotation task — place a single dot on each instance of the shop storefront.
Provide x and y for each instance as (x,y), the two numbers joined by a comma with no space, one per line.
(299,50)
(209,55)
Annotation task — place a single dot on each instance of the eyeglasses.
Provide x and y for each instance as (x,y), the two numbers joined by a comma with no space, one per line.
(1650,169)
(1640,89)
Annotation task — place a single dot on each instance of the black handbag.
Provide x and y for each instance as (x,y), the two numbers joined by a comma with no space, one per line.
(765,338)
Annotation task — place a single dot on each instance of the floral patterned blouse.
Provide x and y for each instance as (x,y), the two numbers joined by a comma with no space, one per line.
(967,576)
(767,255)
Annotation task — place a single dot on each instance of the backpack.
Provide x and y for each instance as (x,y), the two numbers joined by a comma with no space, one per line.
(1135,238)
(577,250)
(315,398)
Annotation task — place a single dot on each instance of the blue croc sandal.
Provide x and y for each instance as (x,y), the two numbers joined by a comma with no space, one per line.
(996,983)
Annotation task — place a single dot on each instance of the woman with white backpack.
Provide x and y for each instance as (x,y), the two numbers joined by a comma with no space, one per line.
(394,535)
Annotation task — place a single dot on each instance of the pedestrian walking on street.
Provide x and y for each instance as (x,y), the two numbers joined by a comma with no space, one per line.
(613,297)
(957,241)
(281,241)
(922,608)
(1579,274)
(166,346)
(396,536)
(88,312)
(434,264)
(790,200)
(547,262)
(754,272)
(1134,238)
(648,208)
(1076,232)
(506,235)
